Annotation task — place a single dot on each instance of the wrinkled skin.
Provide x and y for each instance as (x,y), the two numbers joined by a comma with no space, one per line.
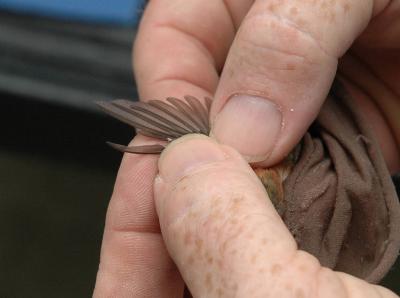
(212,210)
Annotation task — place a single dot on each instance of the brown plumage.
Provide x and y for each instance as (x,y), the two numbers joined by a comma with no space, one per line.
(333,191)
(165,121)
(173,118)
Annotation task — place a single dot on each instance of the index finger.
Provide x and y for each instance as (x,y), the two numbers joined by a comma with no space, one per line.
(181,47)
(134,261)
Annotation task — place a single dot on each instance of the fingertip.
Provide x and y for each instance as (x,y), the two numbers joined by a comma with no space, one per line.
(211,205)
(186,154)
(255,135)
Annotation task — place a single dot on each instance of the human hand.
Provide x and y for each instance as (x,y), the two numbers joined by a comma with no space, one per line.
(219,227)
(181,49)
(283,52)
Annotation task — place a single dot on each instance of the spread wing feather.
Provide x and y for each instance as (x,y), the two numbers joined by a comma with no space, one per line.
(165,121)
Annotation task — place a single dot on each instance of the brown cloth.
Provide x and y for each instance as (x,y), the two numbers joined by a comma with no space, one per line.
(340,203)
(337,200)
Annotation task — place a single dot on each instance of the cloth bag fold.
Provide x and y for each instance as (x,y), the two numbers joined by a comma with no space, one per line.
(337,197)
(340,203)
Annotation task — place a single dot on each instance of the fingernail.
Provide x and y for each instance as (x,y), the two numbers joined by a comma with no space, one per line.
(186,154)
(250,124)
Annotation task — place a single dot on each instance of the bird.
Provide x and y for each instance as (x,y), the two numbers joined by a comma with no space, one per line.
(173,118)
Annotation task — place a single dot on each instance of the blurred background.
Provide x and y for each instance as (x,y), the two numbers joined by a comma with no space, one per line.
(56,173)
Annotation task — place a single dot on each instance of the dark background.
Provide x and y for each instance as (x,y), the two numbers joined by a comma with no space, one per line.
(55,182)
(56,173)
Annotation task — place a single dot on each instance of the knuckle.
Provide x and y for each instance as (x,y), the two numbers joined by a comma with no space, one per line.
(267,30)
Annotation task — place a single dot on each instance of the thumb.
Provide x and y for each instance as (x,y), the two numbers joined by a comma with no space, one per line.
(224,234)
(279,70)
(216,219)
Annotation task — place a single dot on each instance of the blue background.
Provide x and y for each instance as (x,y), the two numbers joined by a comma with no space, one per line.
(124,12)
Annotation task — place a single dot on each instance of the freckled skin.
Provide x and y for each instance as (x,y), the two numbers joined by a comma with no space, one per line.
(190,260)
(253,259)
(234,221)
(219,247)
(297,29)
(188,238)
(290,66)
(229,241)
(227,232)
(288,286)
(209,282)
(199,244)
(305,14)
(299,293)
(276,269)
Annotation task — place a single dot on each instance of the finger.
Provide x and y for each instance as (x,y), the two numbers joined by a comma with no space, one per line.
(224,234)
(378,102)
(279,70)
(373,67)
(177,52)
(181,47)
(384,30)
(217,221)
(134,261)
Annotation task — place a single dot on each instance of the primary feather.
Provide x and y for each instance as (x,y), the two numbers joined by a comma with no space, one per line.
(165,121)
